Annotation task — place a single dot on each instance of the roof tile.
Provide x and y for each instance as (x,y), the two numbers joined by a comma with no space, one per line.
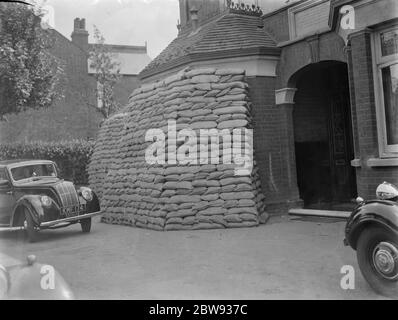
(229,31)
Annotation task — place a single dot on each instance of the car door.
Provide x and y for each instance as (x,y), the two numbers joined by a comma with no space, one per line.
(7,199)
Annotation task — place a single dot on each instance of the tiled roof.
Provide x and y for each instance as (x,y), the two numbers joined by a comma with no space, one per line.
(235,31)
(229,32)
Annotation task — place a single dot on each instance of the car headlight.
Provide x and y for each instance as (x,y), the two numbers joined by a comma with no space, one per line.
(45,201)
(386,191)
(87,194)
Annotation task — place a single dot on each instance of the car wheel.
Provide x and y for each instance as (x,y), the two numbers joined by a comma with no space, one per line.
(377,253)
(86,225)
(30,230)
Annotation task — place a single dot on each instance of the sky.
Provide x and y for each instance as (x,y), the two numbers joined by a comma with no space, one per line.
(128,22)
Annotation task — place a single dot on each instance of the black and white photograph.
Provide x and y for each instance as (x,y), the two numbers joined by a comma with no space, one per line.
(198,151)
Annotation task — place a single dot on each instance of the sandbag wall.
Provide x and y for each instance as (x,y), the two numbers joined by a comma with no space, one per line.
(174,196)
(107,144)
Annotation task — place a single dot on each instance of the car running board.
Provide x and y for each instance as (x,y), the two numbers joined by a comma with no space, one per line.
(320,213)
(5,228)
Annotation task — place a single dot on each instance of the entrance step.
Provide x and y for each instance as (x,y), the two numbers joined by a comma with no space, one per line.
(333,206)
(320,213)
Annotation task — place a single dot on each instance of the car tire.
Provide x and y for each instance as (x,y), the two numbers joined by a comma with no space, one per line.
(30,230)
(372,241)
(86,225)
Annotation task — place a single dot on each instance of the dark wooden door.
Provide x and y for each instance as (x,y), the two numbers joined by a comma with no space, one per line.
(340,137)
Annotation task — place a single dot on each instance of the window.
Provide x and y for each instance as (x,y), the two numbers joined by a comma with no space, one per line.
(33,171)
(307,18)
(385,47)
(390,93)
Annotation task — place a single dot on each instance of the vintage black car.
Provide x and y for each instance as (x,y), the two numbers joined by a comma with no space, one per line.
(372,230)
(33,197)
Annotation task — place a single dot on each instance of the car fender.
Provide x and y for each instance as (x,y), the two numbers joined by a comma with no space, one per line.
(377,212)
(35,208)
(93,205)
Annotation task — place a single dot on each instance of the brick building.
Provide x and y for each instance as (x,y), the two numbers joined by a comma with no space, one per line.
(323,88)
(71,117)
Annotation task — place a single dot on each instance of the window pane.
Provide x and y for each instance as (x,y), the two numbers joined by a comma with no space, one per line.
(389,42)
(390,89)
(26,172)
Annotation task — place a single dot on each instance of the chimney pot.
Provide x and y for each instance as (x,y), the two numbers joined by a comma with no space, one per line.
(76,24)
(80,34)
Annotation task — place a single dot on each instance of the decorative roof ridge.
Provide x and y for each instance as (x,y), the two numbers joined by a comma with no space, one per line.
(245,9)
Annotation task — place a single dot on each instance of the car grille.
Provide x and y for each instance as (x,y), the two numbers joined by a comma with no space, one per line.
(69,199)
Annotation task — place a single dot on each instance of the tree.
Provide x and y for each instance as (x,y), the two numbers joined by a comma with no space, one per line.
(30,76)
(107,75)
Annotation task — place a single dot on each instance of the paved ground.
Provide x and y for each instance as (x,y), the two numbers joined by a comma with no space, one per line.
(287,258)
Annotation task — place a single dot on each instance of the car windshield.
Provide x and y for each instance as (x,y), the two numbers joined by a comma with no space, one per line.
(32,171)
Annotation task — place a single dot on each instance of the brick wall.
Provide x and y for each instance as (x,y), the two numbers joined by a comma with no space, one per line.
(206,10)
(277,26)
(66,119)
(70,117)
(295,57)
(273,155)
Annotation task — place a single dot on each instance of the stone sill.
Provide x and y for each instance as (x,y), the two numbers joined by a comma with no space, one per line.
(387,162)
(376,162)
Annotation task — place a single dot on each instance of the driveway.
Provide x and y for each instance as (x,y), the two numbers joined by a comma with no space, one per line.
(288,258)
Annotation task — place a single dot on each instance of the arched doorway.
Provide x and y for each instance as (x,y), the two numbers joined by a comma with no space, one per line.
(323,136)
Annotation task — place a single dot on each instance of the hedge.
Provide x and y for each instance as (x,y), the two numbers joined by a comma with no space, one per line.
(72,157)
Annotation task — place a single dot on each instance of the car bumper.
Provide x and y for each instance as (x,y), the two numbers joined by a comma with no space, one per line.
(54,223)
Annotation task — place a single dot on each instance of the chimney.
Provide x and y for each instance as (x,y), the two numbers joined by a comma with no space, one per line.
(194,18)
(80,34)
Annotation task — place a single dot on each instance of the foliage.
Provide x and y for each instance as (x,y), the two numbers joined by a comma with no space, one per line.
(30,76)
(107,75)
(72,157)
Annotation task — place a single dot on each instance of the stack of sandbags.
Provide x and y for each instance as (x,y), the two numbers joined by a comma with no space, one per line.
(176,196)
(103,156)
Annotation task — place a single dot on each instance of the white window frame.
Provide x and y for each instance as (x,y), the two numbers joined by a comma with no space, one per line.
(379,62)
(292,19)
